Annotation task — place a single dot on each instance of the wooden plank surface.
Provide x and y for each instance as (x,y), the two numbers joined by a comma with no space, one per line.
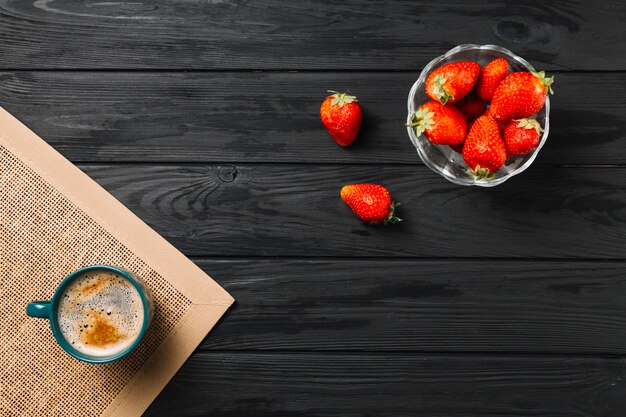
(347,385)
(295,210)
(350,34)
(202,117)
(425,306)
(274,117)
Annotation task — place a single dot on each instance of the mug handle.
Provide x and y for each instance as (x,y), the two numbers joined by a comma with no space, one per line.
(40,309)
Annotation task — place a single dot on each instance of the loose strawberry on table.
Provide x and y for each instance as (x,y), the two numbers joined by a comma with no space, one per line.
(490,77)
(522,136)
(444,125)
(484,151)
(451,82)
(341,114)
(371,203)
(520,95)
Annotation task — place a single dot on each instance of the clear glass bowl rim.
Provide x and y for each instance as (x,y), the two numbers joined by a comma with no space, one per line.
(411,110)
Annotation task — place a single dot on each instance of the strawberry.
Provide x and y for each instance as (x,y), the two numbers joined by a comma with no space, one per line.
(484,151)
(451,82)
(521,94)
(443,125)
(521,136)
(490,76)
(501,124)
(370,202)
(342,115)
(471,106)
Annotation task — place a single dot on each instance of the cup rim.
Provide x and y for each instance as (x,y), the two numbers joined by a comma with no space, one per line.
(56,329)
(411,109)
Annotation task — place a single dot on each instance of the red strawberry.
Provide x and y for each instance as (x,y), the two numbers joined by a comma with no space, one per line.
(501,124)
(443,125)
(471,106)
(521,136)
(521,94)
(370,202)
(342,116)
(490,76)
(451,82)
(484,151)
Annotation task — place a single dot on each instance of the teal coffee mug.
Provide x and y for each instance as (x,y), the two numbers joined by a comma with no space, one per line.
(98,314)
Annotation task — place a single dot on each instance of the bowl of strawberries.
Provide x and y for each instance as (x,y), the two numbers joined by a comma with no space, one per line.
(479,114)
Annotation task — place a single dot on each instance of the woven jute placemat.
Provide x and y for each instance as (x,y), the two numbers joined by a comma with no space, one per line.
(53,220)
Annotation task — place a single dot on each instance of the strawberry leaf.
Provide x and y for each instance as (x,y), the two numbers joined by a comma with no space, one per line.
(341,98)
(421,121)
(547,81)
(392,218)
(529,124)
(481,173)
(440,92)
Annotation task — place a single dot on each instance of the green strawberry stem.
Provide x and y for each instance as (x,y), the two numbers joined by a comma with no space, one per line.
(422,120)
(341,98)
(481,173)
(440,92)
(392,218)
(529,124)
(547,81)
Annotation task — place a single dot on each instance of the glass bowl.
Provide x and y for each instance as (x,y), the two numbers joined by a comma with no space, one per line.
(441,158)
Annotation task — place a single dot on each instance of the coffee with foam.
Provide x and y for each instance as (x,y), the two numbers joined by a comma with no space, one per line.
(100,313)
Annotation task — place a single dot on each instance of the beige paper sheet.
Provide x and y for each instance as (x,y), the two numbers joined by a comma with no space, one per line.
(53,220)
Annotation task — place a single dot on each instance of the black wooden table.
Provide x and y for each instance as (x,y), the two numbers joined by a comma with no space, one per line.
(202,117)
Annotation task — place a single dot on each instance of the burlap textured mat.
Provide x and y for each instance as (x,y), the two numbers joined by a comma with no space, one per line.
(53,220)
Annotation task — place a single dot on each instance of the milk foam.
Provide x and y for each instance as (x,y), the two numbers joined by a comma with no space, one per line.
(100,313)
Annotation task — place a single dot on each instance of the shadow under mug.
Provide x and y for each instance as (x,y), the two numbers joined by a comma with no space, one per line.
(49,310)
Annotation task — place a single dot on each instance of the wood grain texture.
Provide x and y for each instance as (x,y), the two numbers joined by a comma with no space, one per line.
(456,312)
(345,385)
(274,117)
(295,210)
(234,34)
(426,306)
